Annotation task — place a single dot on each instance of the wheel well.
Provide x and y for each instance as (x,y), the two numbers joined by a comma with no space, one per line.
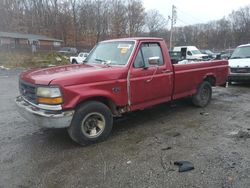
(211,80)
(108,102)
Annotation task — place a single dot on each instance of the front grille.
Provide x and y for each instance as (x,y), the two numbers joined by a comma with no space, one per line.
(240,70)
(28,91)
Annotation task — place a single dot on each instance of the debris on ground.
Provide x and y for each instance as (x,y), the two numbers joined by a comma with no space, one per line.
(204,113)
(176,134)
(184,166)
(4,68)
(231,178)
(240,134)
(58,59)
(166,148)
(128,162)
(66,57)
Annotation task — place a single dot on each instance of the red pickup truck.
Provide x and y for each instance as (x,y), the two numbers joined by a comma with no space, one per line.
(118,76)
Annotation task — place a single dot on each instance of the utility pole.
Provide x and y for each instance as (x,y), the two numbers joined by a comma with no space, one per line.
(173,22)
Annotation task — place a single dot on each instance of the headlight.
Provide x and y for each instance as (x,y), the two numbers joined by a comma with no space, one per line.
(49,95)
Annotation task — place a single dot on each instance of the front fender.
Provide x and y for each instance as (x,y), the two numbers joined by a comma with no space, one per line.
(74,95)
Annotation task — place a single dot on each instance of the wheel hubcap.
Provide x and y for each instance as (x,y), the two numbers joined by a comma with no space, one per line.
(93,125)
(205,94)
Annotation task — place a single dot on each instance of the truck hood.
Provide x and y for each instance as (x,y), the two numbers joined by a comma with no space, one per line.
(72,74)
(245,62)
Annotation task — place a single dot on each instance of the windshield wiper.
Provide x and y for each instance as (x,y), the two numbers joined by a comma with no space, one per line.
(104,62)
(101,60)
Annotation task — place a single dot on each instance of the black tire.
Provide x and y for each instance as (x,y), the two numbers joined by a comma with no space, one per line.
(74,61)
(86,120)
(203,96)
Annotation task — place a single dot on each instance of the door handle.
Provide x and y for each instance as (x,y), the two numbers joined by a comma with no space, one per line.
(166,71)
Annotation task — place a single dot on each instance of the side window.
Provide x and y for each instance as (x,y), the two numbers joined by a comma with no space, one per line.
(151,50)
(139,60)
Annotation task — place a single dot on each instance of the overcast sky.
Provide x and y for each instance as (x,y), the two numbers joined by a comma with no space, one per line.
(196,11)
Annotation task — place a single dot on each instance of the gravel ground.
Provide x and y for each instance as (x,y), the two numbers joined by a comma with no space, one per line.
(141,149)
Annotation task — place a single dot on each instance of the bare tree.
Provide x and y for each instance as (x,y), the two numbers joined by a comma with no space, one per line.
(118,18)
(136,17)
(74,8)
(155,21)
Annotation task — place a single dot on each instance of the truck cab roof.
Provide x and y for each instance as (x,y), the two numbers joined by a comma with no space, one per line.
(135,39)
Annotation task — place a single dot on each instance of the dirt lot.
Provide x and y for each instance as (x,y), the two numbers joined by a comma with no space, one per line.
(140,151)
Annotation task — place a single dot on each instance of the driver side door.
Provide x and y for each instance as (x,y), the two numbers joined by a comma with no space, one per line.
(150,83)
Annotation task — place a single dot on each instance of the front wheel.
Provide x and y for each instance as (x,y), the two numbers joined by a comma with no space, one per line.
(203,95)
(92,122)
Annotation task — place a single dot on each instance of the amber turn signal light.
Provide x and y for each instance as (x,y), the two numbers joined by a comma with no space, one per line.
(56,100)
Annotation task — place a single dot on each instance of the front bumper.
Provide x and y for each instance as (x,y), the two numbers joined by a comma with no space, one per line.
(239,77)
(43,118)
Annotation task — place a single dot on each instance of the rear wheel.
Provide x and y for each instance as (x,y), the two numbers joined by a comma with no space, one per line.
(92,122)
(203,95)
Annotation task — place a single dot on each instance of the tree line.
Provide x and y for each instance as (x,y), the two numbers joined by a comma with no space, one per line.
(82,23)
(225,33)
(78,22)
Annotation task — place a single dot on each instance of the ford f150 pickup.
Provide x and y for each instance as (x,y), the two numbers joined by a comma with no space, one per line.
(118,76)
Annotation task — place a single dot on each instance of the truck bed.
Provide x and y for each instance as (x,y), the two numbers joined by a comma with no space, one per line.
(188,76)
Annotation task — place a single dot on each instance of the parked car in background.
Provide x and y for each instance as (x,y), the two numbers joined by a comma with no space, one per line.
(78,59)
(211,55)
(190,53)
(226,54)
(68,51)
(239,64)
(175,57)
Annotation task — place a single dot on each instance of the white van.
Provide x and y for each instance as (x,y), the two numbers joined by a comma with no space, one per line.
(239,64)
(190,53)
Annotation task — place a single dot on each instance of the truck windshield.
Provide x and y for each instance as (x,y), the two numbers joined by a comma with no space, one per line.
(241,52)
(111,53)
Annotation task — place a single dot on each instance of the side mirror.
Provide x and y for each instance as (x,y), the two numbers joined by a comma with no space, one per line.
(154,60)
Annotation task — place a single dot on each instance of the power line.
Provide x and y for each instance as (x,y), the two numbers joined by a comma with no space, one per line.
(190,16)
(184,22)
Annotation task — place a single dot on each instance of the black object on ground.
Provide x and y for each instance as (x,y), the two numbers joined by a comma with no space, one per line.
(204,113)
(184,165)
(166,148)
(176,134)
